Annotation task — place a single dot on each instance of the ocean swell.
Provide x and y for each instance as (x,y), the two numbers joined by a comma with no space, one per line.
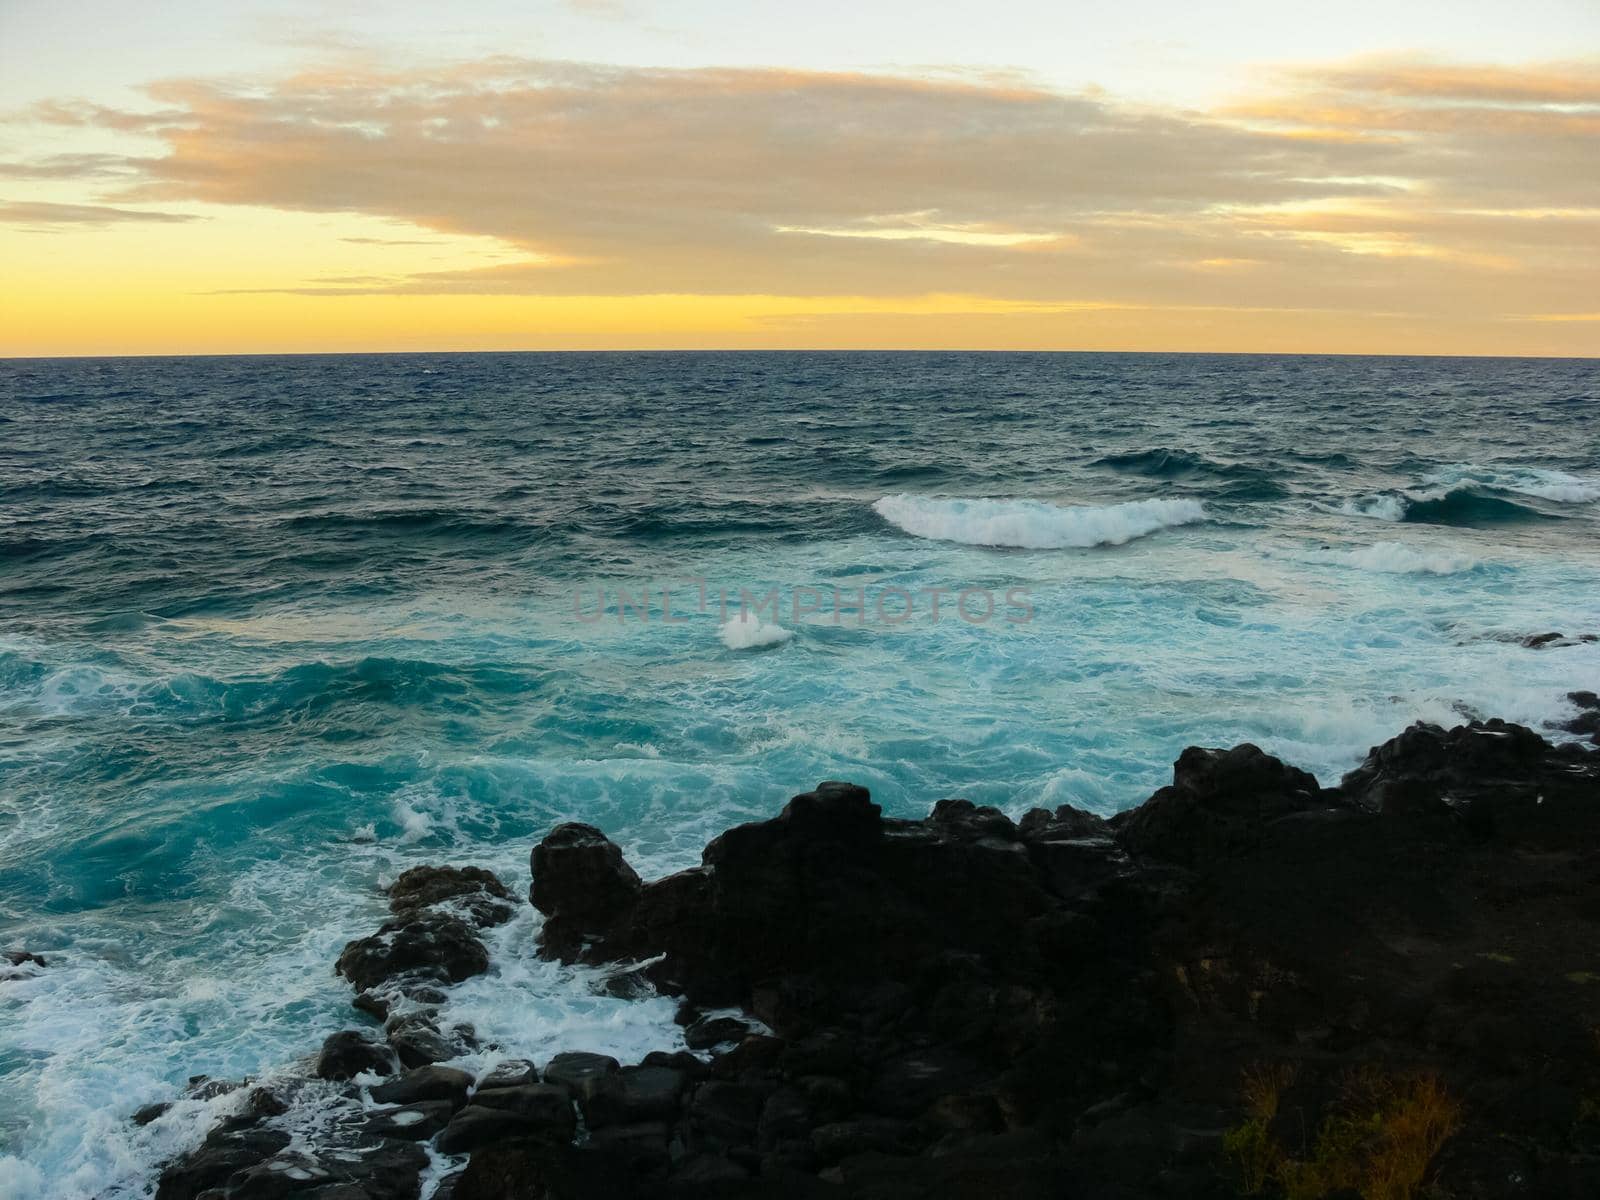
(1468,495)
(1033,524)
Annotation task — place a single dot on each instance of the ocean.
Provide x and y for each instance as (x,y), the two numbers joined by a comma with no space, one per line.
(273,629)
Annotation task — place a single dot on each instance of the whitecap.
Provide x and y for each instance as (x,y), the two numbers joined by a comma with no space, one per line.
(1034,524)
(746,632)
(1397,558)
(1384,508)
(1540,482)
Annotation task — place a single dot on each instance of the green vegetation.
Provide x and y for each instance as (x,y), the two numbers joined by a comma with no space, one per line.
(1377,1139)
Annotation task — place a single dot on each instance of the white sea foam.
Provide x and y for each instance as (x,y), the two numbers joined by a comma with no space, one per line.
(1397,558)
(1384,508)
(1539,482)
(1033,524)
(414,824)
(749,632)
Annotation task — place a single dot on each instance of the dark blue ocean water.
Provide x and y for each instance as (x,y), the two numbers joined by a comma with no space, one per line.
(273,629)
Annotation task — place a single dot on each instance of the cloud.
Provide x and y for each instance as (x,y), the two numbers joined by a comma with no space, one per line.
(45,217)
(1377,186)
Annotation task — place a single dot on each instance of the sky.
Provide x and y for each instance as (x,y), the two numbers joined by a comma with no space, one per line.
(1404,176)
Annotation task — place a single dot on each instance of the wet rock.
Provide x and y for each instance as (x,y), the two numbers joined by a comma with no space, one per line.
(707,1032)
(581,883)
(1496,778)
(23,958)
(150,1112)
(972,821)
(869,1135)
(417,1042)
(416,1122)
(217,1159)
(472,891)
(1065,822)
(545,1104)
(726,1113)
(519,1169)
(1218,803)
(282,1175)
(350,1053)
(376,1167)
(478,1125)
(434,945)
(634,1095)
(513,1072)
(641,1147)
(425,1083)
(707,1173)
(580,1073)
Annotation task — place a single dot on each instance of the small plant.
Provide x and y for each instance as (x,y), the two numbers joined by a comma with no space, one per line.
(1377,1139)
(1251,1146)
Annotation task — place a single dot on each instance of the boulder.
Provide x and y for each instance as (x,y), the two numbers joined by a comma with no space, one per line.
(417,1041)
(580,1073)
(434,945)
(474,893)
(548,1106)
(416,1122)
(1218,804)
(634,1095)
(582,884)
(477,1125)
(706,1032)
(351,1052)
(511,1072)
(218,1158)
(425,1083)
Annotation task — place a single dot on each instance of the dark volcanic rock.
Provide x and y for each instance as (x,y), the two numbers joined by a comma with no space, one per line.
(477,893)
(1218,803)
(221,1156)
(417,1041)
(581,884)
(579,1072)
(634,1095)
(1064,1006)
(522,1168)
(425,1083)
(513,1072)
(550,1106)
(1492,776)
(706,1032)
(830,890)
(478,1125)
(434,945)
(350,1053)
(411,1122)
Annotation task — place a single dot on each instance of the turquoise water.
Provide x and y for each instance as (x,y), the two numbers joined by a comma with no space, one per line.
(273,629)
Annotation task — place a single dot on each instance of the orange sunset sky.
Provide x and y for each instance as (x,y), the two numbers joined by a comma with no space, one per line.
(1361,177)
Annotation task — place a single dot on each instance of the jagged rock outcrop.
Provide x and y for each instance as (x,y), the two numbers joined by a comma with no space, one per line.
(1181,1001)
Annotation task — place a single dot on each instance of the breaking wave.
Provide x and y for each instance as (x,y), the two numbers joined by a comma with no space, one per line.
(1397,558)
(1468,495)
(752,633)
(1033,524)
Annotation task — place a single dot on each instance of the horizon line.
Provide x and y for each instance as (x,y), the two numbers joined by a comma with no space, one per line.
(785,350)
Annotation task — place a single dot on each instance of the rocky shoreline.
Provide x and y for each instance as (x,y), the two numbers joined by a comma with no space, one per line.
(1249,984)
